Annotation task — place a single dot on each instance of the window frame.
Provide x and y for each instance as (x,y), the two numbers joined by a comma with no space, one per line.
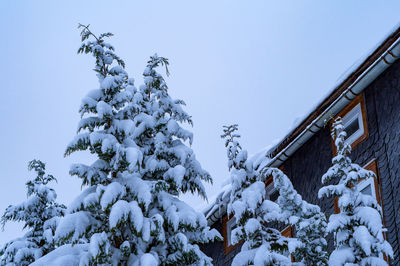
(355,108)
(227,245)
(365,183)
(269,191)
(372,166)
(270,183)
(288,232)
(230,224)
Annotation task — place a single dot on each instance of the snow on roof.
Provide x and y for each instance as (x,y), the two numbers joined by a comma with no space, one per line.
(262,158)
(341,79)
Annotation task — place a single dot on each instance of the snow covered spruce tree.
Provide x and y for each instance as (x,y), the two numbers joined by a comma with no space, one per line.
(358,227)
(40,214)
(262,244)
(130,213)
(171,168)
(308,220)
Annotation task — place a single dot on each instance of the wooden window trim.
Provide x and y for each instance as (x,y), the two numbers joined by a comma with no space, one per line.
(269,181)
(288,232)
(358,100)
(336,205)
(227,248)
(373,167)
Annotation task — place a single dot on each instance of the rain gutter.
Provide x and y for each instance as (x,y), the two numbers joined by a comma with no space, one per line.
(352,91)
(283,151)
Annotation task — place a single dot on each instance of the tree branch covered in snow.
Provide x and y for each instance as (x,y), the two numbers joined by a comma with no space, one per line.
(130,213)
(253,211)
(358,227)
(307,219)
(40,214)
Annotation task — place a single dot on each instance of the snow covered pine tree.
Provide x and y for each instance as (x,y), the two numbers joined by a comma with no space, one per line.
(40,214)
(253,211)
(172,169)
(130,213)
(358,227)
(308,220)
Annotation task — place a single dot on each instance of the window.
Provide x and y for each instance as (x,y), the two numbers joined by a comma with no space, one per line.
(371,186)
(272,192)
(228,225)
(354,122)
(368,186)
(288,232)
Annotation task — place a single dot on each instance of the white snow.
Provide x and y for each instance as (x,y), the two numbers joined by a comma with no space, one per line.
(136,215)
(176,174)
(119,212)
(148,259)
(134,157)
(75,224)
(108,83)
(103,109)
(66,255)
(339,257)
(112,192)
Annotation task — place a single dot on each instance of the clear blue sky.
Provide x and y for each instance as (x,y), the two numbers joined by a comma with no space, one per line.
(260,64)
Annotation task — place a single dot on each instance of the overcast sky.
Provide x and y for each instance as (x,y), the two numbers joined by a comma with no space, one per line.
(260,64)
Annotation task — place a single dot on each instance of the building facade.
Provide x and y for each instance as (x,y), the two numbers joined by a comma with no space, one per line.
(368,100)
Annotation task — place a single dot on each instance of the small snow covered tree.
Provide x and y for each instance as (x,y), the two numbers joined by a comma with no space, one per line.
(39,213)
(130,213)
(358,227)
(253,211)
(308,220)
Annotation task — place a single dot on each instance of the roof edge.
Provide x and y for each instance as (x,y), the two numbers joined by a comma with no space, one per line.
(353,76)
(356,81)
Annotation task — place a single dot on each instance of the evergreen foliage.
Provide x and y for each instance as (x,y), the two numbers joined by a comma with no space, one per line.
(253,211)
(40,214)
(358,227)
(130,213)
(307,219)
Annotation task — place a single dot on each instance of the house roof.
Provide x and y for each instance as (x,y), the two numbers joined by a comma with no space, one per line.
(357,70)
(352,84)
(362,73)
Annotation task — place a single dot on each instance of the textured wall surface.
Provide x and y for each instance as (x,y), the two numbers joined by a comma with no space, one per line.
(383,111)
(307,165)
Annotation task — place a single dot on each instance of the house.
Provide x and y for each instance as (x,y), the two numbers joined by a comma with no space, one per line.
(368,100)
